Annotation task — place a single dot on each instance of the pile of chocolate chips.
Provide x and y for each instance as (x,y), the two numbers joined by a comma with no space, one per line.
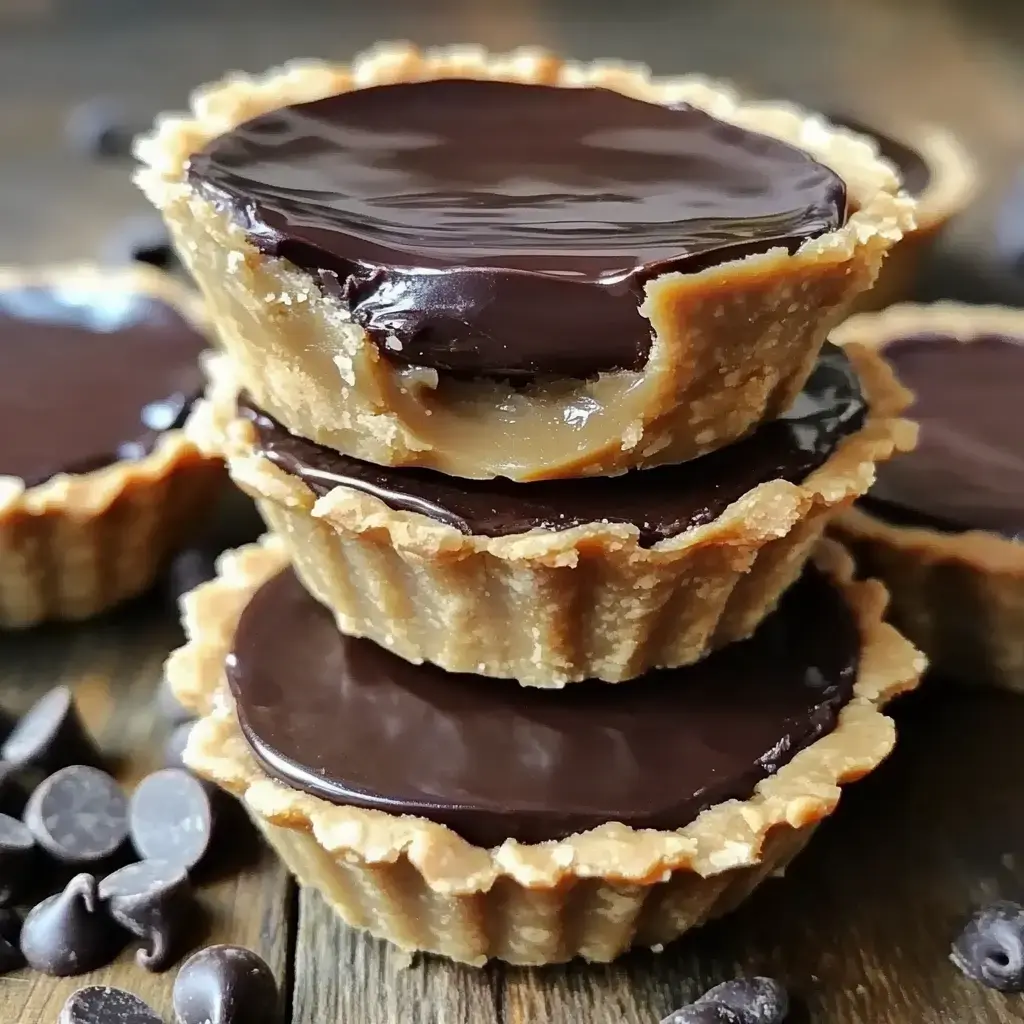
(217,985)
(109,867)
(86,868)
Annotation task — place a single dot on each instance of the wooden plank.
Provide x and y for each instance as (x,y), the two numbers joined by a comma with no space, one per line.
(115,666)
(342,975)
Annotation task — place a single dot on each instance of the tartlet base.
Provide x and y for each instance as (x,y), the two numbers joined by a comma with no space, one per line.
(958,596)
(422,887)
(78,544)
(732,345)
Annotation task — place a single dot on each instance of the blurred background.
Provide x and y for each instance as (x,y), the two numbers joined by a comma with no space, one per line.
(890,62)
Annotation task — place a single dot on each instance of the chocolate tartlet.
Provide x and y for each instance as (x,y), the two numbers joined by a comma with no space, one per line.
(464,821)
(565,580)
(402,256)
(943,526)
(98,484)
(937,171)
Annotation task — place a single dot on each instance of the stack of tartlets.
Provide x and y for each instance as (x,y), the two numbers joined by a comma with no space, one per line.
(524,363)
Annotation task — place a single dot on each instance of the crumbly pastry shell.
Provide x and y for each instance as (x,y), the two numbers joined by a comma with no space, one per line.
(421,886)
(79,544)
(551,607)
(952,183)
(958,596)
(732,345)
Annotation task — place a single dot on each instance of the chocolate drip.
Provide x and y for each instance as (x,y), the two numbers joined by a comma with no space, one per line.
(350,722)
(89,376)
(660,502)
(490,229)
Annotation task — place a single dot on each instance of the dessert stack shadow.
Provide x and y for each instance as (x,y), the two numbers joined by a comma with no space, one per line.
(544,655)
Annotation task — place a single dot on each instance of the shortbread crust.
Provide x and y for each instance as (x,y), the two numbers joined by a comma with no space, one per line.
(959,596)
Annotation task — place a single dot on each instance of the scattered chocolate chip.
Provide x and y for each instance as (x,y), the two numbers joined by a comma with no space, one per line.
(226,985)
(10,933)
(171,818)
(153,901)
(706,1013)
(170,708)
(17,855)
(101,127)
(174,748)
(100,1004)
(50,735)
(191,568)
(754,1000)
(141,240)
(68,933)
(991,948)
(78,815)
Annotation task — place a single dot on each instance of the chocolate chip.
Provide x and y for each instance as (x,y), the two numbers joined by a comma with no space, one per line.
(51,735)
(101,127)
(100,1004)
(78,815)
(171,818)
(68,933)
(706,1013)
(754,1000)
(226,985)
(174,748)
(141,240)
(991,948)
(17,855)
(10,932)
(153,901)
(191,568)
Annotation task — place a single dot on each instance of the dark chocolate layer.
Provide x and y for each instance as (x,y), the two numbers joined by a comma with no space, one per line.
(967,471)
(491,229)
(913,168)
(350,722)
(89,376)
(660,502)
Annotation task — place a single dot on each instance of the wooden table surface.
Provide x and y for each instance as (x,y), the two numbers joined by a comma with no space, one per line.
(860,927)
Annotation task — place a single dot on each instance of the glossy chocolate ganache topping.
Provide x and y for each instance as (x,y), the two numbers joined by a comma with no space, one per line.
(492,229)
(89,375)
(660,502)
(494,760)
(967,471)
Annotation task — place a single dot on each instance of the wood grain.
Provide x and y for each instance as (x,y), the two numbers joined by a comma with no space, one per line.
(342,975)
(114,666)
